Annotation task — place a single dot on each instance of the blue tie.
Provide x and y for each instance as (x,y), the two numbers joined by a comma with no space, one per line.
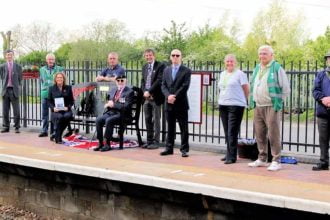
(174,71)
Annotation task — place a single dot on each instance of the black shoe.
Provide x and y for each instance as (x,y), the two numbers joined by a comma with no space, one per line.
(105,148)
(224,158)
(146,144)
(152,146)
(166,152)
(43,134)
(17,131)
(229,161)
(52,137)
(69,133)
(320,167)
(59,141)
(98,148)
(5,130)
(184,154)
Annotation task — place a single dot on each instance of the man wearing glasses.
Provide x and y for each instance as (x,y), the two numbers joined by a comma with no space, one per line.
(152,74)
(175,84)
(118,106)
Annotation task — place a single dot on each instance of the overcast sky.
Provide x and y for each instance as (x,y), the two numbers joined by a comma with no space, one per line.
(141,16)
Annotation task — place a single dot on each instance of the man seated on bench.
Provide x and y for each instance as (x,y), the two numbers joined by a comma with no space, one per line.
(118,108)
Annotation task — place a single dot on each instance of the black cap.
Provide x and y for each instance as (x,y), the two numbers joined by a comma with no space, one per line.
(327,55)
(121,76)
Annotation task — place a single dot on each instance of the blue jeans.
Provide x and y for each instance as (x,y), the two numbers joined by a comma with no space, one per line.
(45,116)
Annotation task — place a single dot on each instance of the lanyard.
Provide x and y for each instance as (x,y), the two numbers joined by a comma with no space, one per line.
(226,78)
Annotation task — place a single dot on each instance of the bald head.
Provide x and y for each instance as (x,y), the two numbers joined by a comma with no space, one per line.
(176,57)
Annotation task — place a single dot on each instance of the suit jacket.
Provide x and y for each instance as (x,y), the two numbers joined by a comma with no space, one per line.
(156,81)
(123,108)
(179,87)
(16,78)
(66,93)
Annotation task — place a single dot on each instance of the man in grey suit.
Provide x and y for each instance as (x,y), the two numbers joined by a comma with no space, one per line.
(11,76)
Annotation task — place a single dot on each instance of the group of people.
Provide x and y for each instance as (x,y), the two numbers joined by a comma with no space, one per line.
(159,84)
(168,85)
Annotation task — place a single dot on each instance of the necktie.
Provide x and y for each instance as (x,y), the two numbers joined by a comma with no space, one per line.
(174,71)
(148,83)
(10,74)
(118,93)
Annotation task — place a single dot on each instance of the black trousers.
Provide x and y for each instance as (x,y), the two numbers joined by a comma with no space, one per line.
(231,117)
(109,119)
(7,100)
(182,117)
(61,120)
(324,138)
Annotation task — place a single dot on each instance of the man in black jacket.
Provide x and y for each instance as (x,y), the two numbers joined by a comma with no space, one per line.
(119,106)
(175,85)
(152,74)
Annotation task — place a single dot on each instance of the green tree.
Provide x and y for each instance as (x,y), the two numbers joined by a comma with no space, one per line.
(275,26)
(100,39)
(34,57)
(315,50)
(210,44)
(173,38)
(62,53)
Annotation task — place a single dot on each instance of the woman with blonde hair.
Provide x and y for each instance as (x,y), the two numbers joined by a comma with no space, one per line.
(61,100)
(234,90)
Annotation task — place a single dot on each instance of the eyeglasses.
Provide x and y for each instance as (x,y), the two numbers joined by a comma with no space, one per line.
(120,80)
(175,55)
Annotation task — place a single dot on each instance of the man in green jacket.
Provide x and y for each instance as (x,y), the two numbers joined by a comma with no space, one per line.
(269,87)
(47,73)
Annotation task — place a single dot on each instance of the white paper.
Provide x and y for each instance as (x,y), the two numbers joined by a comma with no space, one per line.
(59,103)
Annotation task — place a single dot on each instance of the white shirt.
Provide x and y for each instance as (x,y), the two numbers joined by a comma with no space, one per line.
(231,91)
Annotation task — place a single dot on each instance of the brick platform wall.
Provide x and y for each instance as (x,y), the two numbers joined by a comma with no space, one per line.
(70,196)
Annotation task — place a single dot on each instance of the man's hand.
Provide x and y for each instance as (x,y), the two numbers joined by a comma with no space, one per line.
(64,109)
(146,94)
(109,104)
(326,101)
(171,99)
(99,78)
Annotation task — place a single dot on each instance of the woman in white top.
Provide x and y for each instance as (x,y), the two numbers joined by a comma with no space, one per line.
(234,90)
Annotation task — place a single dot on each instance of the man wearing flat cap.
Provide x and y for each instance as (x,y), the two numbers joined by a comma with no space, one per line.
(321,94)
(118,106)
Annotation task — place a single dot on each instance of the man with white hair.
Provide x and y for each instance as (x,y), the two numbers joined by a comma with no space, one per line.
(269,87)
(47,73)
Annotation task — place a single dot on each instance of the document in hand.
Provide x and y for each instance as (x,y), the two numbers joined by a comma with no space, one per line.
(59,103)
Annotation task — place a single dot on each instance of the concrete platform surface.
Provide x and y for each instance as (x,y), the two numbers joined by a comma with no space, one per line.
(294,187)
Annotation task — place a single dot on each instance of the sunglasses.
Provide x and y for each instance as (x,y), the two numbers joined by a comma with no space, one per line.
(175,55)
(120,80)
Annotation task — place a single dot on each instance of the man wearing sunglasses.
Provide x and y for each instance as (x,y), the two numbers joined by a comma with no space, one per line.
(175,84)
(118,106)
(113,70)
(152,74)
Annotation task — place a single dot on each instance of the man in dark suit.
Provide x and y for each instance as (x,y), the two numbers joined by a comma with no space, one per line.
(152,74)
(175,84)
(11,75)
(119,107)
